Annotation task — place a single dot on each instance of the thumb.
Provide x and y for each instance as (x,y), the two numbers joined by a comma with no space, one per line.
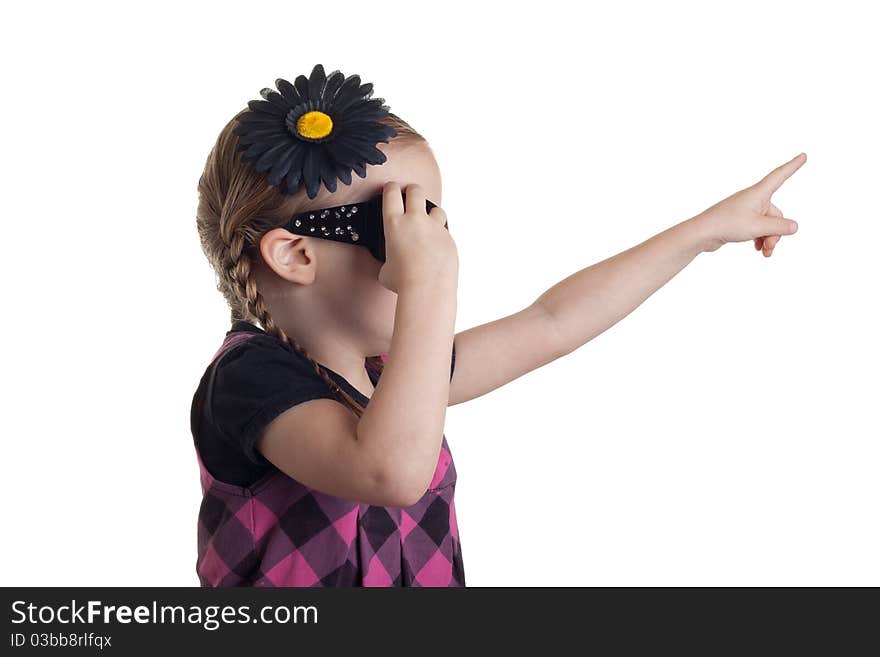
(778,226)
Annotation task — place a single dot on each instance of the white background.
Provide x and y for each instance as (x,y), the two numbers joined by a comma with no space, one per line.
(725,433)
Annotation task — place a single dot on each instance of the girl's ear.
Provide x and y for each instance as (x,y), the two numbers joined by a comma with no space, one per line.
(290,256)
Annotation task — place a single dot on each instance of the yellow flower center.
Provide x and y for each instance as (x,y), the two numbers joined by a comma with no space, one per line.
(314,125)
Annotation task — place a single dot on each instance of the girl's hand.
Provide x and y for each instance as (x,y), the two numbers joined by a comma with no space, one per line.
(749,214)
(418,248)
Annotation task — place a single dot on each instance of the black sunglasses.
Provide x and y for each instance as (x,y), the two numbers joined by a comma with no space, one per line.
(358,223)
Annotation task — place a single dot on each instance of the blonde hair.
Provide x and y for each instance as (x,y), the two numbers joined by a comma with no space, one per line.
(236,207)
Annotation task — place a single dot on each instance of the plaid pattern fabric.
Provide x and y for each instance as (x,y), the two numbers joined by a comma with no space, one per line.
(279,532)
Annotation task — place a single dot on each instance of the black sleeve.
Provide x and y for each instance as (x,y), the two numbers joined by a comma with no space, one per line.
(256,382)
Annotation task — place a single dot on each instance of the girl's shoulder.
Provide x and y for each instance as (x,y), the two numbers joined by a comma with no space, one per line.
(259,361)
(253,379)
(252,343)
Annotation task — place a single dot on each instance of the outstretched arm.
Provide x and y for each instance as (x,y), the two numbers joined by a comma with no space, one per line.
(569,314)
(588,302)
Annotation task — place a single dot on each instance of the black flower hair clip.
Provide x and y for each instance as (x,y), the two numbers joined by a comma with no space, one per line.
(318,128)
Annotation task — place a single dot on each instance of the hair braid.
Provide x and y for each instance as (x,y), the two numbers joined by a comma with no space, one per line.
(241,272)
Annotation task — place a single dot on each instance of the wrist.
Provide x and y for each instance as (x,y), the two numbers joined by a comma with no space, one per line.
(430,285)
(699,236)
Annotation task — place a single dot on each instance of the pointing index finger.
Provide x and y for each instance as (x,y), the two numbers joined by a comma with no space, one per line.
(773,180)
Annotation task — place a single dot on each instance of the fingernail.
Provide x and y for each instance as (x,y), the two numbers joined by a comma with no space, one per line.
(794,225)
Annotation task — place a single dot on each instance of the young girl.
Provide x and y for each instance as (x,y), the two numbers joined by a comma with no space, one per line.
(318,424)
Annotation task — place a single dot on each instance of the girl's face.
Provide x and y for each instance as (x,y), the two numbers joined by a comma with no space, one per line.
(339,283)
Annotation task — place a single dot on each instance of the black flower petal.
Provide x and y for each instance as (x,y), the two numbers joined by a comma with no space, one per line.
(334,81)
(282,165)
(275,98)
(265,107)
(294,176)
(268,159)
(318,129)
(291,95)
(328,173)
(310,173)
(302,86)
(344,173)
(317,80)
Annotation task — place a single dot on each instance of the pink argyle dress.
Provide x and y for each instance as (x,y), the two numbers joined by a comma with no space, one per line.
(279,532)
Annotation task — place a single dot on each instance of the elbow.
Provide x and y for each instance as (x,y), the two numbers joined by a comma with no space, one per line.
(403,493)
(559,343)
(399,489)
(397,480)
